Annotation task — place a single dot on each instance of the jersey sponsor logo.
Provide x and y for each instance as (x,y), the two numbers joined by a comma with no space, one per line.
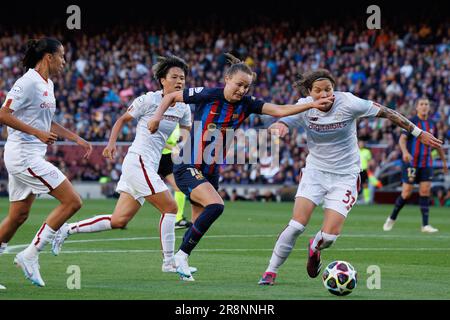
(327,127)
(48,105)
(171,118)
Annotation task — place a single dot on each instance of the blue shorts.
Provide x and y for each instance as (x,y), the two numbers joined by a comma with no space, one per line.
(412,175)
(188,177)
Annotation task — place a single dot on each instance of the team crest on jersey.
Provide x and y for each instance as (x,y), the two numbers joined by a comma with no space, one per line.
(235,116)
(338,116)
(313,118)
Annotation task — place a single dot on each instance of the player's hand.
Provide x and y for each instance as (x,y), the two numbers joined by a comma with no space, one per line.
(153,124)
(279,128)
(46,137)
(428,139)
(323,104)
(445,169)
(407,157)
(86,146)
(109,152)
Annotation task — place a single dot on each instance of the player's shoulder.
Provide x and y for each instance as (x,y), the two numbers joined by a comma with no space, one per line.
(149,98)
(304,100)
(206,92)
(28,78)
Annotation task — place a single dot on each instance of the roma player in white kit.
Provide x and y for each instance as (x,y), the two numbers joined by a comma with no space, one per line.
(139,180)
(331,174)
(28,112)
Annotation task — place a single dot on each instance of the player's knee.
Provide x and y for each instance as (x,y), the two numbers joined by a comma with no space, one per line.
(406,194)
(21,217)
(171,207)
(119,223)
(76,204)
(216,209)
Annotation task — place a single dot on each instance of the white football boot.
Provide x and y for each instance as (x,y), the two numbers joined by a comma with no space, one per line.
(429,229)
(181,263)
(30,268)
(60,236)
(387,226)
(169,266)
(2,287)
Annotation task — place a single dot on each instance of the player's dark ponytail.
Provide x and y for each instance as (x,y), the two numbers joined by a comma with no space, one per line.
(304,82)
(36,49)
(237,65)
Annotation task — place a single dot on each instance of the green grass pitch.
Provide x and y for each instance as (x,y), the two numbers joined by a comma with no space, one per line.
(126,264)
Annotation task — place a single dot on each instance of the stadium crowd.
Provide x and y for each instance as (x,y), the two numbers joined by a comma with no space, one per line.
(104,72)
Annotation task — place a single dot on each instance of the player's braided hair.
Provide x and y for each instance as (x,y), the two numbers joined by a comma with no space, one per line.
(37,48)
(164,64)
(237,65)
(304,82)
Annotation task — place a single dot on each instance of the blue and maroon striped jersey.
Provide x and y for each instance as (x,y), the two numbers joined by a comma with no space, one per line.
(421,154)
(213,111)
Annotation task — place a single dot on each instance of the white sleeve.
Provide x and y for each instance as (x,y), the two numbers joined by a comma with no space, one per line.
(20,94)
(296,120)
(139,106)
(361,107)
(186,119)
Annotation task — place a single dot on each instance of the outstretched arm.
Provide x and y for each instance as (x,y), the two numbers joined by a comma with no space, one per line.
(398,119)
(287,110)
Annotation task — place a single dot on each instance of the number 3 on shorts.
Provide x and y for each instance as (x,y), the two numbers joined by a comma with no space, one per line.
(349,200)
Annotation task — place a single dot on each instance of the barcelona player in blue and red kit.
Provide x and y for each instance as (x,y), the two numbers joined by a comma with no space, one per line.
(417,168)
(216,111)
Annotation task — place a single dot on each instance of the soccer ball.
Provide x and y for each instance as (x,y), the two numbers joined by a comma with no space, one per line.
(340,278)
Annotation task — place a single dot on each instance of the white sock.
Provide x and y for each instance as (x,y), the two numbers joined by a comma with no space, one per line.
(167,234)
(182,254)
(94,224)
(285,244)
(323,240)
(3,246)
(42,237)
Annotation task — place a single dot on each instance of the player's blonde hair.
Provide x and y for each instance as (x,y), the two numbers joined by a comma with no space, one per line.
(304,82)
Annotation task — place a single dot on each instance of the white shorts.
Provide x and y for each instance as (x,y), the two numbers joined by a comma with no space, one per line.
(338,192)
(139,179)
(41,177)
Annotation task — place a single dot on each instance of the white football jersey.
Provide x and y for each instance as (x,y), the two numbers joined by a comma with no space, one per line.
(331,136)
(33,101)
(148,145)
